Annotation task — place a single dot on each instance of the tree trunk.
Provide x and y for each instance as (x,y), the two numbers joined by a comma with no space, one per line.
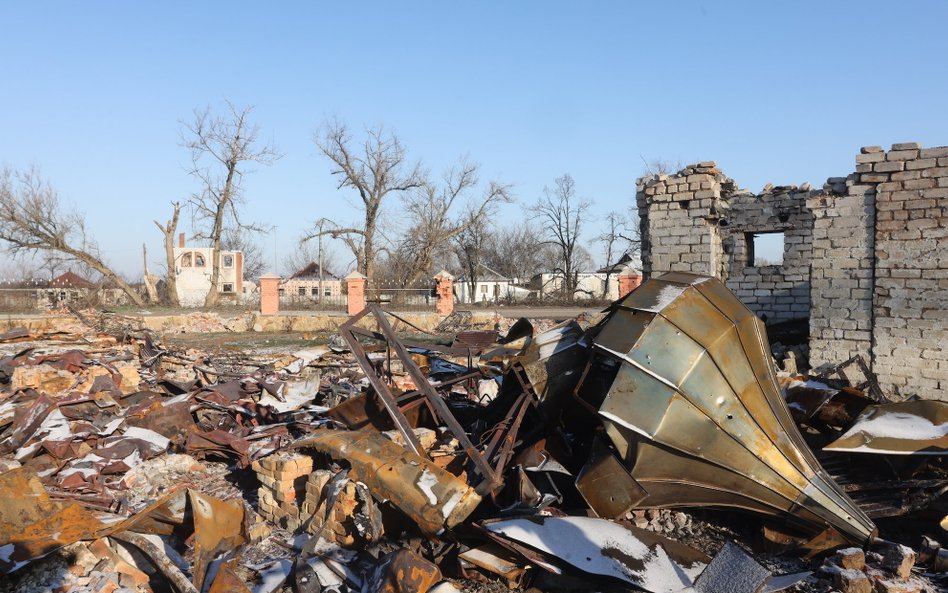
(150,289)
(171,275)
(368,251)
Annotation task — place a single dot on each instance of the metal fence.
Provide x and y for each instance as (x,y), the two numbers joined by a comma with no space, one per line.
(402,299)
(298,302)
(20,300)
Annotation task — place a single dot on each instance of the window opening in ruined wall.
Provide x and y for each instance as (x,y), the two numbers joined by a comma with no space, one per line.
(765,249)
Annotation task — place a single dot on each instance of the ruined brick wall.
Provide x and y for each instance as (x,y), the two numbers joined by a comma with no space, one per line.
(910,301)
(773,292)
(698,221)
(869,253)
(679,220)
(841,274)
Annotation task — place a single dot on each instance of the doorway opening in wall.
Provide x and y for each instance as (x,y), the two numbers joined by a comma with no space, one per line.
(765,249)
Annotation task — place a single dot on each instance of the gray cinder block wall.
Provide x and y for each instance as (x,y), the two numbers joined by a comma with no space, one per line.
(865,257)
(697,220)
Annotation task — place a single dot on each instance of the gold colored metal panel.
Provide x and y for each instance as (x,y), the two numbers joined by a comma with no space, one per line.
(622,336)
(724,300)
(697,317)
(653,296)
(656,464)
(638,391)
(704,389)
(666,351)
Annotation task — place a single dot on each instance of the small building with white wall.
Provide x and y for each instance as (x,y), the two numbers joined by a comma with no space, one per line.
(489,287)
(193,267)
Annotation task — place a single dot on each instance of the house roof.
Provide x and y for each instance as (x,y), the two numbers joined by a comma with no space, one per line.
(485,274)
(312,271)
(70,280)
(624,262)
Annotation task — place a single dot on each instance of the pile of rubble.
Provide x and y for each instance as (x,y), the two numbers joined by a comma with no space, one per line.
(596,454)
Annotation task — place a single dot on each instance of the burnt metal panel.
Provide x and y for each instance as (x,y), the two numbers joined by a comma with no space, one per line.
(698,385)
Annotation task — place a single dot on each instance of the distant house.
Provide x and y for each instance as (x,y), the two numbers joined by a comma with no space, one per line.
(306,284)
(610,282)
(70,280)
(489,286)
(589,285)
(193,267)
(623,276)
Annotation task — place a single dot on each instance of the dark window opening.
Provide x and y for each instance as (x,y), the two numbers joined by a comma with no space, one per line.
(301,291)
(227,287)
(765,249)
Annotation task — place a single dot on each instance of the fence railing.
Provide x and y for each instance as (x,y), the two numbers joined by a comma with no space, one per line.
(405,299)
(21,300)
(335,302)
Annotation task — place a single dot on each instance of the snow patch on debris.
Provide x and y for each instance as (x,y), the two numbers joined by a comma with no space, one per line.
(600,547)
(427,481)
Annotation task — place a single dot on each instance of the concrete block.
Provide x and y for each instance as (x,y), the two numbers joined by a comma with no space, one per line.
(871,157)
(941,151)
(889,167)
(901,155)
(921,164)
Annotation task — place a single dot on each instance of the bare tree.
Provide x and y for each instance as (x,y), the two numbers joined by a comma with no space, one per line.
(661,167)
(435,224)
(32,220)
(620,236)
(470,245)
(306,253)
(374,169)
(516,251)
(221,147)
(562,214)
(168,230)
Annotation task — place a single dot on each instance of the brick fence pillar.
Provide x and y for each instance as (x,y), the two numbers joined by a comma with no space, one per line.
(355,286)
(628,283)
(444,289)
(269,294)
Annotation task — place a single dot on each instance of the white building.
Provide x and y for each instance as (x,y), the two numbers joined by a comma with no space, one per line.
(549,285)
(628,265)
(489,287)
(193,266)
(308,285)
(603,283)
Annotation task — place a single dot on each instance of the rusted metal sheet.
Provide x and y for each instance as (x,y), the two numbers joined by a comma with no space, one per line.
(902,428)
(491,479)
(218,527)
(435,499)
(227,581)
(403,571)
(553,360)
(695,412)
(32,525)
(606,485)
(497,560)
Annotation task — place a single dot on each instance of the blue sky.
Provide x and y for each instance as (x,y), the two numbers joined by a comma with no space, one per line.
(774,92)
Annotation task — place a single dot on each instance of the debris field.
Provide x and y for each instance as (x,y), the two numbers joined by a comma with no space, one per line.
(655,447)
